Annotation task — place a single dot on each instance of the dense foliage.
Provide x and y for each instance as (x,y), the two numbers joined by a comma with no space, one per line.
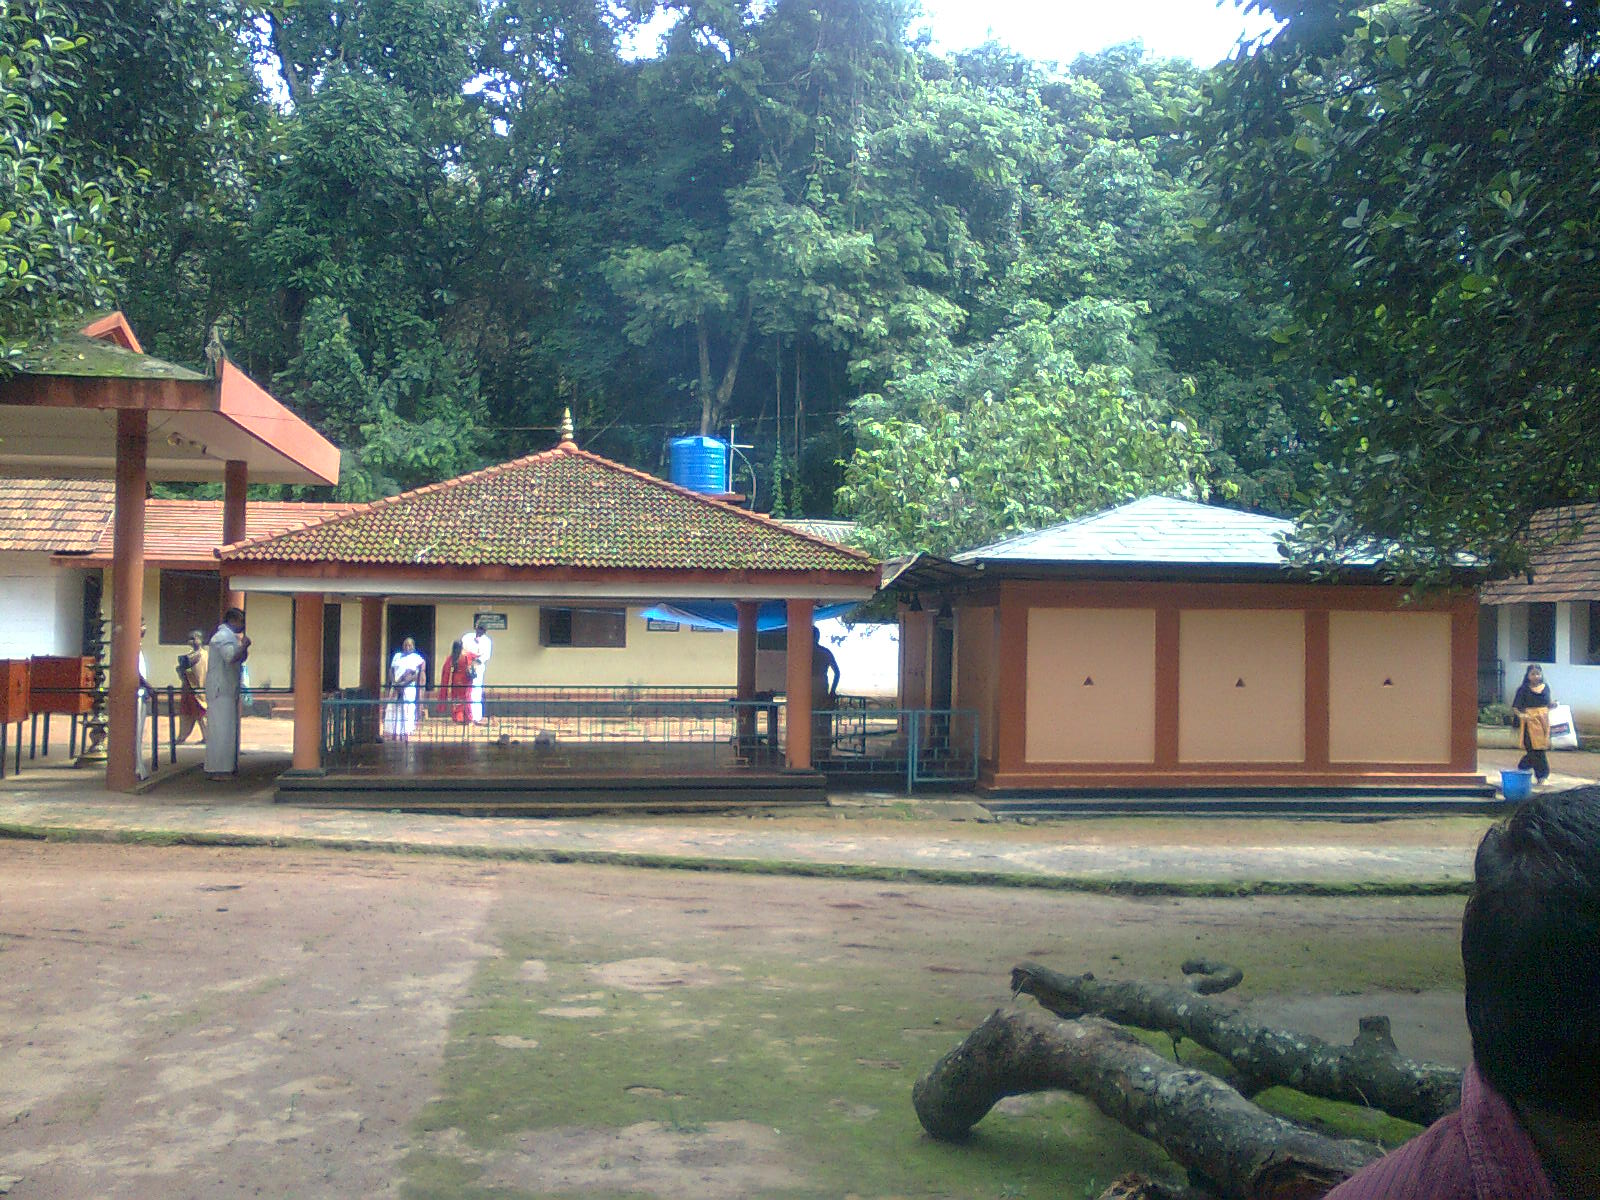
(1420,180)
(955,296)
(55,252)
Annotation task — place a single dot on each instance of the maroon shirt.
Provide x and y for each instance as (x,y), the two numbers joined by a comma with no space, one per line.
(1480,1152)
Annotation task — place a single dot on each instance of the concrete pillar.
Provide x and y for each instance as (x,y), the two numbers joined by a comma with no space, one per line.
(797,709)
(235,476)
(307,683)
(746,687)
(1565,643)
(127,599)
(371,681)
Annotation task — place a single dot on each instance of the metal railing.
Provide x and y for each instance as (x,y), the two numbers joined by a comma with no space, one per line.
(649,729)
(62,702)
(686,727)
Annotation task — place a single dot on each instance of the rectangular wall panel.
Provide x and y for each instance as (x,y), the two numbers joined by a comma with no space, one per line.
(1241,686)
(1389,687)
(1091,685)
(977,663)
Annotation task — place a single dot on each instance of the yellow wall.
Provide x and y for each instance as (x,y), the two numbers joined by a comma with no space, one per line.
(977,661)
(1114,720)
(269,620)
(1389,687)
(649,658)
(1262,721)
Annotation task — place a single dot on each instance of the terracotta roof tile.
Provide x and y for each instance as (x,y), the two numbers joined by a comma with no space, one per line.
(562,508)
(1569,570)
(54,515)
(189,531)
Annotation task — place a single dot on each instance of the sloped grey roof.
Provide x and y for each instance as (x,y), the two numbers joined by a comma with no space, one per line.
(1155,530)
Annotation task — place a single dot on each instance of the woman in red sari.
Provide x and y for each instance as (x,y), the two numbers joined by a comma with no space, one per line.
(453,684)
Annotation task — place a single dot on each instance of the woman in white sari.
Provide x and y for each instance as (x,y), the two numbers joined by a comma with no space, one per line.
(407,669)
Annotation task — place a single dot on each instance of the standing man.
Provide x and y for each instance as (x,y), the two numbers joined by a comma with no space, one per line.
(229,649)
(477,644)
(824,695)
(144,705)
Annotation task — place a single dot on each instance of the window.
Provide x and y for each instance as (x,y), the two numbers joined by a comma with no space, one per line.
(1594,631)
(1541,633)
(189,600)
(583,627)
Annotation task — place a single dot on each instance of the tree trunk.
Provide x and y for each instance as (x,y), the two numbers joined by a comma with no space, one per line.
(1370,1071)
(1227,1144)
(708,396)
(730,374)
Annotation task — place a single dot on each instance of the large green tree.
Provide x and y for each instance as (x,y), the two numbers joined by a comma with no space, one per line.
(1420,180)
(56,252)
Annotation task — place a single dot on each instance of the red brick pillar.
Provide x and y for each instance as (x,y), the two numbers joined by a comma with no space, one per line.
(797,711)
(127,599)
(307,683)
(235,476)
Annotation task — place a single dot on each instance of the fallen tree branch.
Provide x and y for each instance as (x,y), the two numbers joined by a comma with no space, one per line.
(1370,1071)
(1208,976)
(1228,1144)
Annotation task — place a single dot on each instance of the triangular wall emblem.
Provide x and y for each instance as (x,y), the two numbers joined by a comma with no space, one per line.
(1238,683)
(1088,681)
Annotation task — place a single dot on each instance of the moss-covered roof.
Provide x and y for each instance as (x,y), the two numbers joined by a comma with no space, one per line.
(563,508)
(71,353)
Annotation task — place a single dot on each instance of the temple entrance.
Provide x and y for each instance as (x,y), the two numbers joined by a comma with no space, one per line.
(414,621)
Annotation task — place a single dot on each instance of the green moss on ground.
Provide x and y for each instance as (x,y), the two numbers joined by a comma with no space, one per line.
(823,1049)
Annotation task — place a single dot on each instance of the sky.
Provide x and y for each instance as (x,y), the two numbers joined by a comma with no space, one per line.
(1202,31)
(1060,30)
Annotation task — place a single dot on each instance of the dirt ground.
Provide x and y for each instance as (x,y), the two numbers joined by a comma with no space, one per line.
(181,1022)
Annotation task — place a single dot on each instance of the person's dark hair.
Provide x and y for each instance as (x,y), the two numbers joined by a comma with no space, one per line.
(455,648)
(1530,948)
(1528,674)
(233,613)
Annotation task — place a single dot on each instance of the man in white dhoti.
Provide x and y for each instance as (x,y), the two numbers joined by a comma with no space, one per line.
(140,769)
(477,644)
(224,662)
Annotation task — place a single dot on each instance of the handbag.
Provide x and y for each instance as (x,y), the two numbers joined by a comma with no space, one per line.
(1563,733)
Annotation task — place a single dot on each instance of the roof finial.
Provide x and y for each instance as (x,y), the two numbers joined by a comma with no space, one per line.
(566,428)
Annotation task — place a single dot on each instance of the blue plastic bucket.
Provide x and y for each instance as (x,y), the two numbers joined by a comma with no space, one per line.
(1516,785)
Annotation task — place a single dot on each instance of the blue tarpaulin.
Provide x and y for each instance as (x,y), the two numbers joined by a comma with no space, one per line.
(721,614)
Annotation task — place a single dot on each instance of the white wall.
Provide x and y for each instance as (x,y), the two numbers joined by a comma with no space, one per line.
(1573,681)
(41,607)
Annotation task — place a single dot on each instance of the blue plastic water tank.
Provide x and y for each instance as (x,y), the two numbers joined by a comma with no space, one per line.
(699,463)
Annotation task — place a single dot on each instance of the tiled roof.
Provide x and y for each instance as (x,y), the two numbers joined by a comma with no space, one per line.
(562,508)
(54,515)
(1155,530)
(1569,570)
(189,531)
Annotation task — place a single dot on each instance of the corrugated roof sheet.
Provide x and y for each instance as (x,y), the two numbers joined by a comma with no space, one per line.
(1154,530)
(54,515)
(563,508)
(191,530)
(1569,570)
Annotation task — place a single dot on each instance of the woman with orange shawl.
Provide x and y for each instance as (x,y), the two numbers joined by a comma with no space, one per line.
(1532,708)
(454,682)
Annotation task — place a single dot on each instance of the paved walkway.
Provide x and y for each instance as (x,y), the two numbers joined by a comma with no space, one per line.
(938,840)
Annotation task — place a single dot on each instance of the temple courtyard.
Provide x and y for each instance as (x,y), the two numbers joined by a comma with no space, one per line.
(206,994)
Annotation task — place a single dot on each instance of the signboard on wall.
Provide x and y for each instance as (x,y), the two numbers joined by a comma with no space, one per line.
(489,620)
